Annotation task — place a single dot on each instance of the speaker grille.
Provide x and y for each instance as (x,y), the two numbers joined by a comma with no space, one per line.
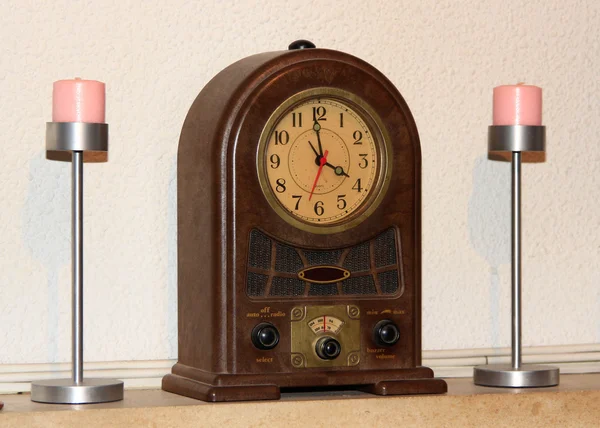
(281,286)
(359,285)
(260,256)
(388,282)
(358,258)
(323,290)
(316,258)
(385,249)
(287,259)
(256,283)
(374,268)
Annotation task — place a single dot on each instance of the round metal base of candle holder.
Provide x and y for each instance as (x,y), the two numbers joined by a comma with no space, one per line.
(65,391)
(80,136)
(516,138)
(506,376)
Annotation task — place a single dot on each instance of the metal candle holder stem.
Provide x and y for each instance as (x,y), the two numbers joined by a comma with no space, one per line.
(516,139)
(77,137)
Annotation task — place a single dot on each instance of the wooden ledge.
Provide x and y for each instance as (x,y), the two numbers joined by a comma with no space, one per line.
(574,403)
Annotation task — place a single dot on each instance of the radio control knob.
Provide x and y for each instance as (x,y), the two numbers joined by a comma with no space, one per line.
(328,348)
(265,336)
(386,333)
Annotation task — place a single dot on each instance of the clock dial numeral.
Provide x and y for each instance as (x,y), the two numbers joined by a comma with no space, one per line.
(341,120)
(275,161)
(319,209)
(297,120)
(280,188)
(341,202)
(357,135)
(319,113)
(363,161)
(357,186)
(299,198)
(282,137)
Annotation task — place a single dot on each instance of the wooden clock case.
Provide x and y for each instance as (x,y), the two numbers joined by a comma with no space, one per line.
(220,206)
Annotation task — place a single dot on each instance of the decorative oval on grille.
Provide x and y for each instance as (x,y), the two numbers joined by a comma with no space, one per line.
(323,274)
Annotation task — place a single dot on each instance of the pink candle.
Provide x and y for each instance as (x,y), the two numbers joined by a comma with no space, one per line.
(518,105)
(78,100)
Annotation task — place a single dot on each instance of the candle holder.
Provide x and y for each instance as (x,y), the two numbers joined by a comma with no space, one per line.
(77,137)
(516,139)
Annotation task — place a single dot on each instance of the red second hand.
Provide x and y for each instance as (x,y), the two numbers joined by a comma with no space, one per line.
(321,165)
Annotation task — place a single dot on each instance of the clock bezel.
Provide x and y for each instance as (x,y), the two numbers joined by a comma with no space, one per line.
(383,148)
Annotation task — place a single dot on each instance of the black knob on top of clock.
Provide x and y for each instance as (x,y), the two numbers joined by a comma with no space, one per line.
(265,336)
(386,333)
(301,44)
(328,348)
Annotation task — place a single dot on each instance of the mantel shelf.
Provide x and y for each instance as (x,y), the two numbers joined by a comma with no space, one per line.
(575,402)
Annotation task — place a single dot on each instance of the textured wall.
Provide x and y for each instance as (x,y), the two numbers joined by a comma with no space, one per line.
(445,57)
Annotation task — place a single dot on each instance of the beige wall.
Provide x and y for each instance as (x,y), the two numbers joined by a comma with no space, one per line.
(445,57)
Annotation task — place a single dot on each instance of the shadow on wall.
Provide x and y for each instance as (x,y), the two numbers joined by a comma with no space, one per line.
(172,261)
(489,226)
(47,232)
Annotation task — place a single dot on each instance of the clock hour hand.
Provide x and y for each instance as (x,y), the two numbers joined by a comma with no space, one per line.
(314,150)
(337,169)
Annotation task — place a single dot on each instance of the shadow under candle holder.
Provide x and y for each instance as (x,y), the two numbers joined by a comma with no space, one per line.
(489,229)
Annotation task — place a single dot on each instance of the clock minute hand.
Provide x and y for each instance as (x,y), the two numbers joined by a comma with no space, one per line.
(317,128)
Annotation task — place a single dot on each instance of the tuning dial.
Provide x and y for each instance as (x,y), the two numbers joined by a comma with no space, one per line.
(265,336)
(386,333)
(328,348)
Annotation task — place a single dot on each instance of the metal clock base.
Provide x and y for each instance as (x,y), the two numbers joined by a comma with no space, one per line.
(506,376)
(65,391)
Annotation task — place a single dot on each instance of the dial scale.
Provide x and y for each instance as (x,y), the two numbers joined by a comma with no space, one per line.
(326,324)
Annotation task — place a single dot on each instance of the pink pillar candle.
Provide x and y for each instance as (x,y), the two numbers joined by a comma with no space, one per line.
(78,100)
(518,105)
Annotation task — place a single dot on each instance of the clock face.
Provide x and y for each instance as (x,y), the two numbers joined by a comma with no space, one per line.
(322,160)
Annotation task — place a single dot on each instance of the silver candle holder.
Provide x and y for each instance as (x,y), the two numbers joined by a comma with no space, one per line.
(516,139)
(77,138)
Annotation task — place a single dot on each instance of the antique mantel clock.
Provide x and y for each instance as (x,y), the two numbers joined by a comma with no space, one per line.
(299,232)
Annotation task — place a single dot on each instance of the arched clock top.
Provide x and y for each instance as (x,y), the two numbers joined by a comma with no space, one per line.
(219,139)
(214,112)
